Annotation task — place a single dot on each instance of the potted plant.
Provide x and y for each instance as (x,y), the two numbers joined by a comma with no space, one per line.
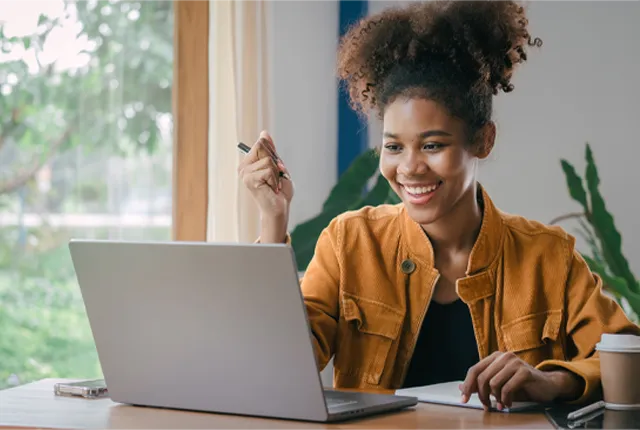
(597,227)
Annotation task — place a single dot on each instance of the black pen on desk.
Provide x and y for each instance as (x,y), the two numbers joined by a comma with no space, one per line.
(245,149)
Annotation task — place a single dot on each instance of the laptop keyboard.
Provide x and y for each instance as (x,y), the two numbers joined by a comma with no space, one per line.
(336,400)
(334,403)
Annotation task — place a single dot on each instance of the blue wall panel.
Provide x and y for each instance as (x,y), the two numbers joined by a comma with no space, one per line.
(353,135)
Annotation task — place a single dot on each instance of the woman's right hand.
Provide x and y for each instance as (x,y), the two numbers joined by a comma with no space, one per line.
(273,193)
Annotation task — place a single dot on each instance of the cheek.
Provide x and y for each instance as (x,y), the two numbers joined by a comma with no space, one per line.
(451,164)
(387,167)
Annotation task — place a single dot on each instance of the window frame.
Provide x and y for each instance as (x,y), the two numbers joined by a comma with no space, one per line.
(190,120)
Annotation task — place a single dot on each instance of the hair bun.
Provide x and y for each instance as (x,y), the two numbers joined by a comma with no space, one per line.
(477,43)
(494,35)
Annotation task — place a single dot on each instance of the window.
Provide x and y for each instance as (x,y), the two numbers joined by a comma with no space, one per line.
(85,151)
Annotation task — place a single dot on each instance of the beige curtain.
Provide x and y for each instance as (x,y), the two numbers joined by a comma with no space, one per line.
(238,111)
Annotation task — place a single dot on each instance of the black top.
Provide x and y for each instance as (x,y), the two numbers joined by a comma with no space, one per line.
(446,346)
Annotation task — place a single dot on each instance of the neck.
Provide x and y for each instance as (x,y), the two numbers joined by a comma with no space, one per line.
(459,229)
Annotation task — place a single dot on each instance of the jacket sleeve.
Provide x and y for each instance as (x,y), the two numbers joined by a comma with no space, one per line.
(589,314)
(320,289)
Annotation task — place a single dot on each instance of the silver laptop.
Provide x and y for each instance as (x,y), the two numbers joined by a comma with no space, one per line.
(209,327)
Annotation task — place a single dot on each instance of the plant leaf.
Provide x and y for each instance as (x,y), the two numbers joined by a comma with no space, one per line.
(305,236)
(393,198)
(617,284)
(347,190)
(352,182)
(345,195)
(376,196)
(575,185)
(586,232)
(42,19)
(604,226)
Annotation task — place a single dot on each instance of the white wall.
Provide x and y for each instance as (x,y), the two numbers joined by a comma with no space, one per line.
(304,41)
(581,85)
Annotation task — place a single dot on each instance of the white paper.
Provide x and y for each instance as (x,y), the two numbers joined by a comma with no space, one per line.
(448,393)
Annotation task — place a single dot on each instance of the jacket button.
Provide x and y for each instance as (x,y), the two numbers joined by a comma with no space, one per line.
(408,266)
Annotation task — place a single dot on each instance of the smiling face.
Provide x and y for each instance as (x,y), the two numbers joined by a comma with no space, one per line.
(427,158)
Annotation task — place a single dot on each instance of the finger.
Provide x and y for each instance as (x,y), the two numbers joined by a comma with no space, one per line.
(469,386)
(266,138)
(258,151)
(286,182)
(250,158)
(260,178)
(514,385)
(272,146)
(284,168)
(265,135)
(268,146)
(485,378)
(281,168)
(262,163)
(501,378)
(250,173)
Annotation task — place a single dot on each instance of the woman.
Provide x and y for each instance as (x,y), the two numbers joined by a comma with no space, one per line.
(444,286)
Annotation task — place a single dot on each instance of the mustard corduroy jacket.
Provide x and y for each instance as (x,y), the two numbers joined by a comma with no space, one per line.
(369,285)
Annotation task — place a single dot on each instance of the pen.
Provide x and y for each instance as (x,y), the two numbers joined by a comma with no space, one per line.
(586,410)
(245,149)
(580,422)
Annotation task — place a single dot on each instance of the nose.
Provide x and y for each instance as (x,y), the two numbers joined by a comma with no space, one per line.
(413,163)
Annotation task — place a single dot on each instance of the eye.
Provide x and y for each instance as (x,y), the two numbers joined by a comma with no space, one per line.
(392,147)
(433,146)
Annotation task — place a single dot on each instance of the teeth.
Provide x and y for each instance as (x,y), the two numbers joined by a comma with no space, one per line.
(421,190)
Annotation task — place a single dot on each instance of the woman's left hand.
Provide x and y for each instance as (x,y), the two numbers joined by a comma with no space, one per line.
(509,379)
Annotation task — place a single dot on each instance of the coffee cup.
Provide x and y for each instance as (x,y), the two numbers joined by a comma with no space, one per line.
(620,419)
(620,370)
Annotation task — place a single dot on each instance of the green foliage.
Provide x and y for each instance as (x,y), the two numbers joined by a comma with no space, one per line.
(618,285)
(599,231)
(350,193)
(113,94)
(108,92)
(45,330)
(352,182)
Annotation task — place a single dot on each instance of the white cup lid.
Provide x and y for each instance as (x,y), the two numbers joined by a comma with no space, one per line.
(619,343)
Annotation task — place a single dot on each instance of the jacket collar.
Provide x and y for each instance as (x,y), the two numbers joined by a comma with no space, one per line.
(483,253)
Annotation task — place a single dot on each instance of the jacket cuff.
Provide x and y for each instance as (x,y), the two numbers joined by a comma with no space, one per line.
(587,369)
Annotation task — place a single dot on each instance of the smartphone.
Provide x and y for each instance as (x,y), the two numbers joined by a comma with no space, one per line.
(90,389)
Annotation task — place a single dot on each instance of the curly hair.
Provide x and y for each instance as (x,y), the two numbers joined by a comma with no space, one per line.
(457,53)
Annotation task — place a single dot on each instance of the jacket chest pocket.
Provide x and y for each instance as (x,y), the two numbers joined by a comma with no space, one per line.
(367,332)
(535,338)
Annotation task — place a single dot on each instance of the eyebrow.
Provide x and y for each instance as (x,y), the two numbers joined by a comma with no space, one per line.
(422,135)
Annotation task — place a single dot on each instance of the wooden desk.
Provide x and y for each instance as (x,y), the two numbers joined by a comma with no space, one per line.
(35,406)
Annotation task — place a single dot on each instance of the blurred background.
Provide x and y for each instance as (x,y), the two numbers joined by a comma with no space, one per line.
(85,150)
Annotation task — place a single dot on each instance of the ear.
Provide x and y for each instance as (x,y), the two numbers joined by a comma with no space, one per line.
(484,140)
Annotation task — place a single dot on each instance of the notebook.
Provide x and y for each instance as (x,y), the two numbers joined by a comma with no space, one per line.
(448,393)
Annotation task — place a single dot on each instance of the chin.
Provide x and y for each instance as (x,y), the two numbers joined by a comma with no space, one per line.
(423,216)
